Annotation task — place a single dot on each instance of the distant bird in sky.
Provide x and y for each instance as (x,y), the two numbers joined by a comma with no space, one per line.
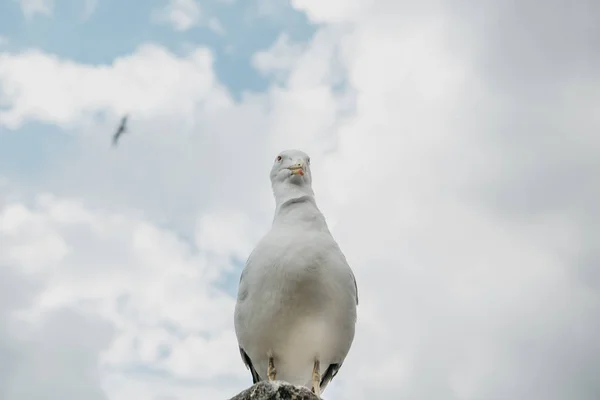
(122,129)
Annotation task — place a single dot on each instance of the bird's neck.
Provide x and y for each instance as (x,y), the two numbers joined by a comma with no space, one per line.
(296,205)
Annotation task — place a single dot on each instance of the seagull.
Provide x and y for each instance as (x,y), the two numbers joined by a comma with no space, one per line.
(296,307)
(122,129)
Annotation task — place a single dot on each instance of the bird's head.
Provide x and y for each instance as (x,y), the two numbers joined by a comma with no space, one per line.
(293,167)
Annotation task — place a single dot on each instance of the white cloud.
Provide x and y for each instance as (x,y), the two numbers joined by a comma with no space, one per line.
(172,86)
(32,7)
(331,11)
(46,7)
(185,14)
(89,6)
(154,290)
(216,26)
(279,59)
(461,189)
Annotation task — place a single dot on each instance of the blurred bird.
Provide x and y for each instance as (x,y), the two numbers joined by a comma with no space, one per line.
(122,129)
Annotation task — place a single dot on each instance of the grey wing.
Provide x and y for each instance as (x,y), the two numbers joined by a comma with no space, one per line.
(248,362)
(351,272)
(329,374)
(242,288)
(355,286)
(333,369)
(242,293)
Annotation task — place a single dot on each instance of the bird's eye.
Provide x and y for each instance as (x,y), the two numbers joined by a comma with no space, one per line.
(308,160)
(278,158)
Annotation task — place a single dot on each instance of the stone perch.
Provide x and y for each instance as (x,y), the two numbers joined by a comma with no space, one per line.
(275,390)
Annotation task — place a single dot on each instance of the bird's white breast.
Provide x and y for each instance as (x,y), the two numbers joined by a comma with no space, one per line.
(297,302)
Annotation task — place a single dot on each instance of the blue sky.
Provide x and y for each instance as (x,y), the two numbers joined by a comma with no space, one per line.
(115,28)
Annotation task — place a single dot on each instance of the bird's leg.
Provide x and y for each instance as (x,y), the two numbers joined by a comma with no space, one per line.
(316,379)
(271,371)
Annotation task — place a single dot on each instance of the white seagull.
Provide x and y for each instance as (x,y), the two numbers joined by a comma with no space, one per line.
(296,306)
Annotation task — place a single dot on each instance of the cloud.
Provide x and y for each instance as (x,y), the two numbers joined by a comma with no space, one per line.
(60,356)
(153,290)
(332,11)
(89,7)
(57,350)
(53,96)
(455,162)
(279,59)
(177,107)
(32,7)
(215,25)
(183,15)
(46,7)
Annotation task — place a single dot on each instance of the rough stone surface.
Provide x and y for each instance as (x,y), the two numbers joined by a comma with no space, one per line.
(276,390)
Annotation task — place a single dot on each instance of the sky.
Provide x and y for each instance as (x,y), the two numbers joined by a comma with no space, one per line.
(455,149)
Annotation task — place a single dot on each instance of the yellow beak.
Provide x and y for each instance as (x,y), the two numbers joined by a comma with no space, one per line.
(296,169)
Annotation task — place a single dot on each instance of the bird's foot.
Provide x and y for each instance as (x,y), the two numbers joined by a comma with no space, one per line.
(316,379)
(271,371)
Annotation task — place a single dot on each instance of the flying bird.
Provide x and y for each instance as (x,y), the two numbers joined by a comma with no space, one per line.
(297,300)
(122,129)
